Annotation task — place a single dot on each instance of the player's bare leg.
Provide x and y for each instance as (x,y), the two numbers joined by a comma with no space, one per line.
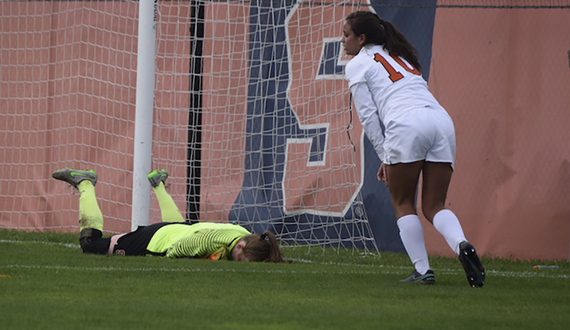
(402,181)
(435,183)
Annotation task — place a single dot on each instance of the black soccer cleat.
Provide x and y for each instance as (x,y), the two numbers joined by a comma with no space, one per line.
(415,277)
(74,177)
(472,265)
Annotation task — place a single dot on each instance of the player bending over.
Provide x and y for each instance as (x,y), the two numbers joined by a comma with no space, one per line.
(172,238)
(412,134)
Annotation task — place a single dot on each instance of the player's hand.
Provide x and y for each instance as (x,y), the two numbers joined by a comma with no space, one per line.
(220,254)
(382,173)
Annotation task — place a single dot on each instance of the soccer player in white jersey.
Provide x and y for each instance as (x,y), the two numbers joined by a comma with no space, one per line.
(172,238)
(411,133)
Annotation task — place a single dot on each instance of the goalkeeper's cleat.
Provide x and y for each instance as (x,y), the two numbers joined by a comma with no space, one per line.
(156,177)
(472,265)
(74,177)
(415,277)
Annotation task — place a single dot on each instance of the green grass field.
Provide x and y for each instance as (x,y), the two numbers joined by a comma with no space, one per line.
(47,283)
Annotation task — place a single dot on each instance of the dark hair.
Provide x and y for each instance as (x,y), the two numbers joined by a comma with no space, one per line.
(262,247)
(380,32)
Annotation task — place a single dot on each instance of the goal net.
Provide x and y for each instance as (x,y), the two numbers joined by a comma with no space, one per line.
(251,117)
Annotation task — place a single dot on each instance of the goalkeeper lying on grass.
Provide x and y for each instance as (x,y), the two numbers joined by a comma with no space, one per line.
(173,238)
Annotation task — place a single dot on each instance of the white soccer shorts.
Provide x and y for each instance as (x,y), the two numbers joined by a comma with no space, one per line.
(420,134)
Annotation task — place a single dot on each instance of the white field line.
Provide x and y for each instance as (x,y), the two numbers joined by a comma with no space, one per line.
(76,246)
(354,268)
(382,269)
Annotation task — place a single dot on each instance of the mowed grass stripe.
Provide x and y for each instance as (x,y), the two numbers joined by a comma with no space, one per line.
(46,282)
(376,268)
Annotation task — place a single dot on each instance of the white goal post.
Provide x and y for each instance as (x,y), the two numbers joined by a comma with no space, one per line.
(144,109)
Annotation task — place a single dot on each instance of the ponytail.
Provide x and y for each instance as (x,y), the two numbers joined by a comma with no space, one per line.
(264,248)
(397,44)
(380,32)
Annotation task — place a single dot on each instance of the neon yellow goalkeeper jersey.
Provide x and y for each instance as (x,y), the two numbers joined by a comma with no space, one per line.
(202,240)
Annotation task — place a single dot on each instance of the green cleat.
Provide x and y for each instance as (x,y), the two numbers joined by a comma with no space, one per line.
(156,177)
(74,177)
(415,277)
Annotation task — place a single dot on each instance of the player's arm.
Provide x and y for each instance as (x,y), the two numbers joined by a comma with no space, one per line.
(188,247)
(368,116)
(198,245)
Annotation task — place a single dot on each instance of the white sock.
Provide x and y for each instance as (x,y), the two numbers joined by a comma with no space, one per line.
(412,235)
(447,224)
